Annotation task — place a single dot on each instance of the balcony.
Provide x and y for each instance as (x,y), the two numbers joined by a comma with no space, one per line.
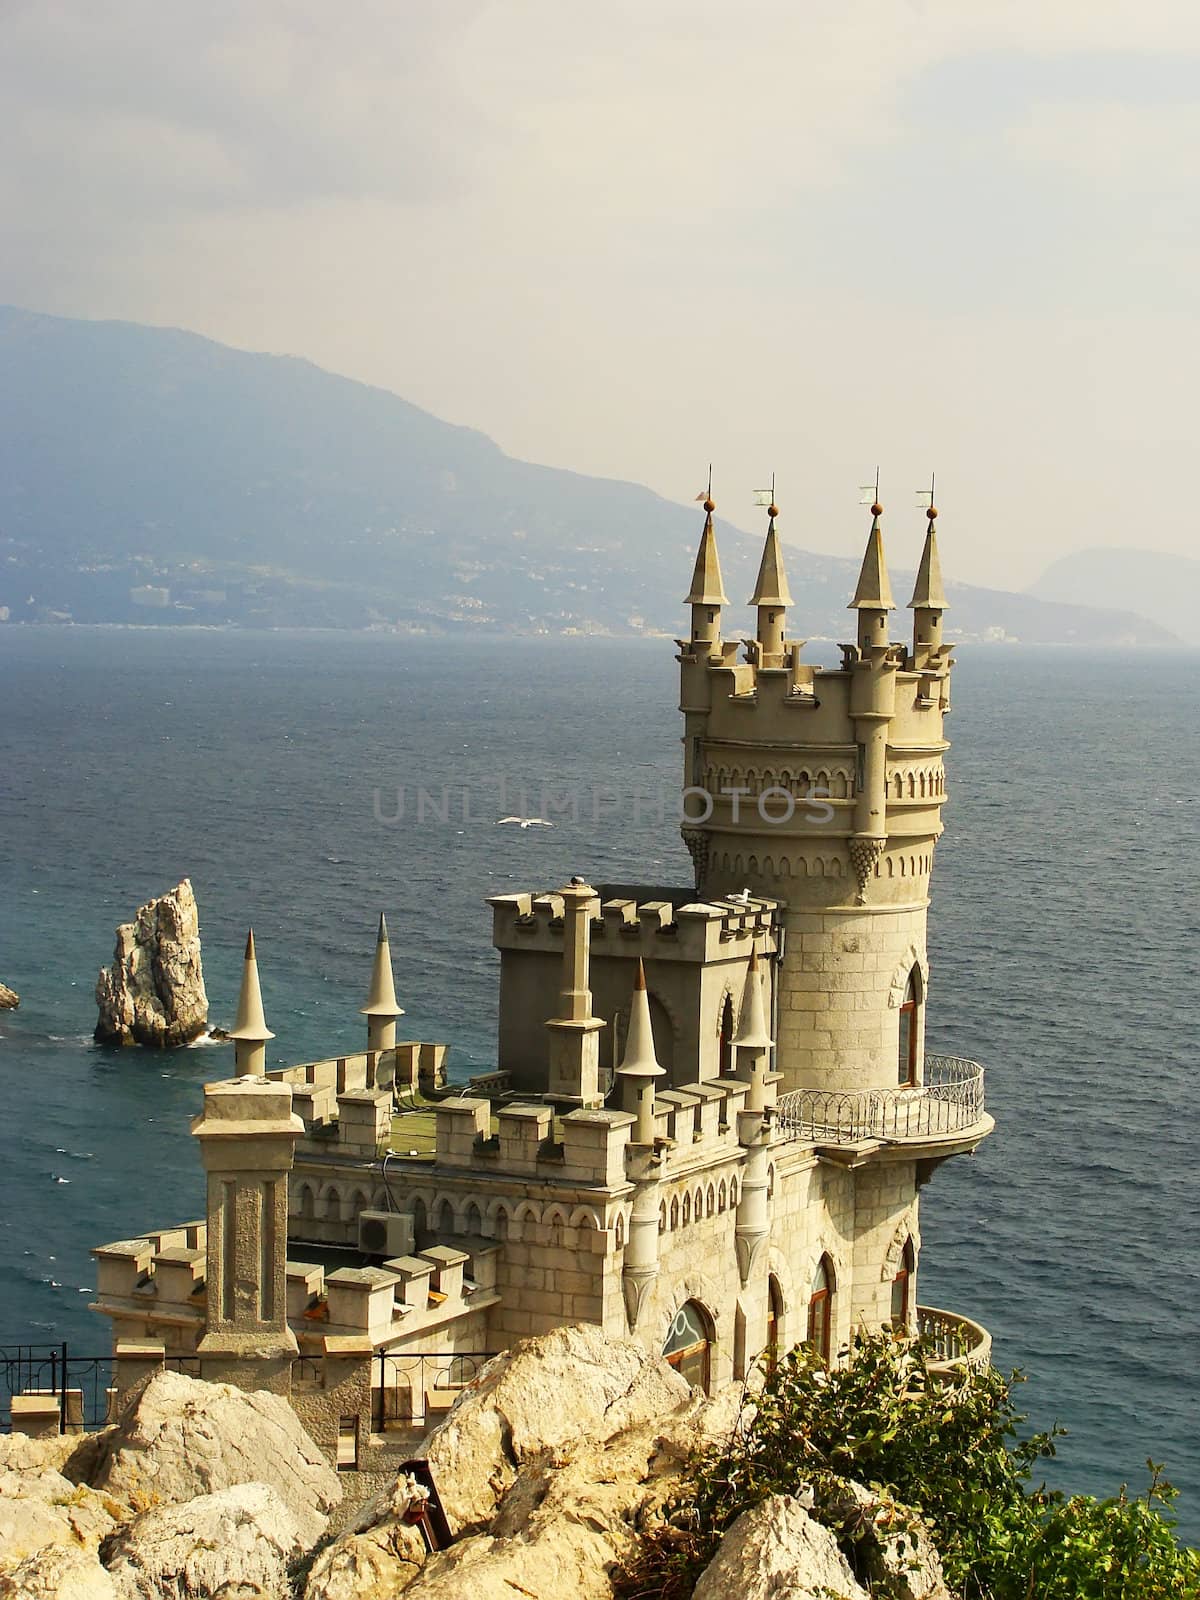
(945,1110)
(951,1342)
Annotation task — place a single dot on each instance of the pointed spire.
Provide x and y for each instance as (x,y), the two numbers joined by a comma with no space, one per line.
(639,1060)
(381,999)
(639,1065)
(753,1033)
(874,592)
(771,587)
(707,588)
(928,595)
(250,1024)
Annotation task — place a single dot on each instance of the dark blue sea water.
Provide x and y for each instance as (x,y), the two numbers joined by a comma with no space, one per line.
(1064,944)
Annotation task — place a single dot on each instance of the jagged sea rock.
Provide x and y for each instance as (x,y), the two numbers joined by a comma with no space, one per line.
(183,1437)
(537,1401)
(238,1543)
(73,1454)
(39,1507)
(377,1557)
(776,1551)
(58,1572)
(153,994)
(9,998)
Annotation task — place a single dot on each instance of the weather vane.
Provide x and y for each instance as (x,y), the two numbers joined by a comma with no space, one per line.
(868,494)
(706,494)
(925,497)
(766,497)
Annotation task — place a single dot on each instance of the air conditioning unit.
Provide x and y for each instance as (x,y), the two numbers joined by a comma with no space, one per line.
(385,1233)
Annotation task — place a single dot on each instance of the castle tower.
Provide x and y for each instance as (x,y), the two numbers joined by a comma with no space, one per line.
(381,1010)
(824,789)
(250,1032)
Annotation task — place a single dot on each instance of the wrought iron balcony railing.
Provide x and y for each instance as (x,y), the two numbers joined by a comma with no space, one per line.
(948,1100)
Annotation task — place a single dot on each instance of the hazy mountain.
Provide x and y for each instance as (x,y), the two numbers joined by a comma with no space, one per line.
(1165,588)
(151,475)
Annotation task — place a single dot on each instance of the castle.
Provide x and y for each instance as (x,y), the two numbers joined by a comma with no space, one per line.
(712,1112)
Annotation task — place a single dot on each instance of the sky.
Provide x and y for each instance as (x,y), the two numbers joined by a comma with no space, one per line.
(810,238)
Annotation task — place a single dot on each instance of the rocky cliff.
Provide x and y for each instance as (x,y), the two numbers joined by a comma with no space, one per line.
(153,994)
(551,1468)
(9,998)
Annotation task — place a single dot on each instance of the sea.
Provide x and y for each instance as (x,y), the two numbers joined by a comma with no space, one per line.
(305,782)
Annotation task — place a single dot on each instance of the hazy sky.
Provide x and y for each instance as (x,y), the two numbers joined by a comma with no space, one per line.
(628,237)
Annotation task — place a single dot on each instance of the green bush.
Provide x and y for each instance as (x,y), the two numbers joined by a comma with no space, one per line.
(953,1452)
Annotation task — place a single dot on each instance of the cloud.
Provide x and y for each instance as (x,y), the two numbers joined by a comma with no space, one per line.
(629,237)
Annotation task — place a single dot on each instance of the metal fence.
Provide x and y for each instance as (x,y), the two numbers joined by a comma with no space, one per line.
(83,1385)
(407,1389)
(948,1099)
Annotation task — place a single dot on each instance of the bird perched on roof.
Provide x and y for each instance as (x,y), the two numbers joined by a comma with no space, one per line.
(524,822)
(740,897)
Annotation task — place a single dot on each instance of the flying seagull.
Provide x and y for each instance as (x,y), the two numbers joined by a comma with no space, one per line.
(524,822)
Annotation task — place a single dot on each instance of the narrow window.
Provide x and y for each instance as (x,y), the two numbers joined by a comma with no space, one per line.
(906,1063)
(820,1308)
(774,1319)
(901,1288)
(726,1036)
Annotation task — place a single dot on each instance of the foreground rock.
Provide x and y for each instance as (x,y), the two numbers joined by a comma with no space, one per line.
(547,1470)
(9,998)
(776,1551)
(240,1541)
(58,1572)
(153,994)
(40,1507)
(379,1555)
(183,1438)
(538,1401)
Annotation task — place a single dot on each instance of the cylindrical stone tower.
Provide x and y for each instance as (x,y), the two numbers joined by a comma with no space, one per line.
(824,790)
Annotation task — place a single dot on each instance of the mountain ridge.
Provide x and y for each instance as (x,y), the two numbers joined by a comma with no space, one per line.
(155,475)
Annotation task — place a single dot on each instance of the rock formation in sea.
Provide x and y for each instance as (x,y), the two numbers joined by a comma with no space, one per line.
(153,994)
(9,998)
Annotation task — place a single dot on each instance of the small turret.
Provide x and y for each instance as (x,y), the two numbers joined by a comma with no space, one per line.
(250,1032)
(772,597)
(752,1041)
(928,601)
(873,596)
(707,593)
(381,1009)
(639,1065)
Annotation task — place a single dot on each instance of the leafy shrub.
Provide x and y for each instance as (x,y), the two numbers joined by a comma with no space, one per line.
(952,1451)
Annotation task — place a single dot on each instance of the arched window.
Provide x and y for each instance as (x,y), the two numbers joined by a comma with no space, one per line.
(420,1227)
(902,1288)
(306,1202)
(721,1196)
(620,1232)
(726,1032)
(774,1320)
(662,1217)
(688,1344)
(820,1308)
(674,1212)
(474,1220)
(711,1208)
(500,1223)
(687,1209)
(906,1060)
